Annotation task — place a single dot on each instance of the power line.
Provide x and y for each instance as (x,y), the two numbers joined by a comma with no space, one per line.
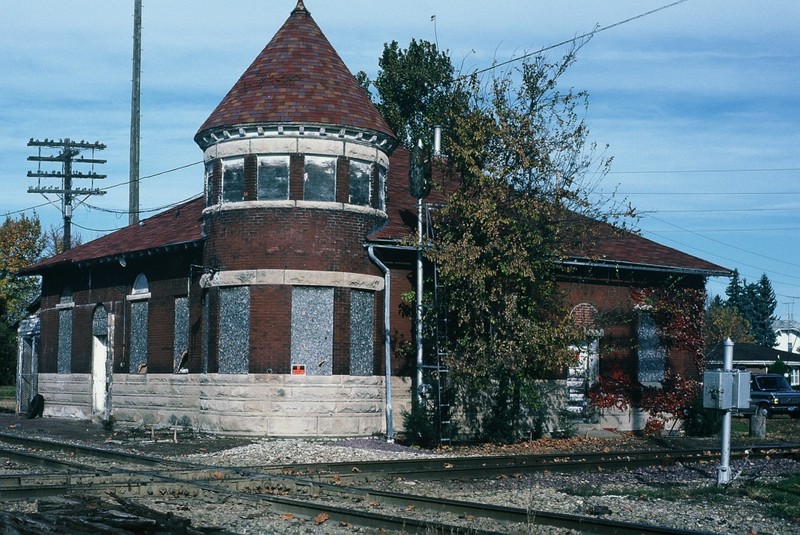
(718,210)
(671,171)
(729,230)
(574,39)
(707,193)
(112,186)
(732,247)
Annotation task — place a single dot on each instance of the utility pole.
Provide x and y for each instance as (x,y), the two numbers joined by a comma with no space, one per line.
(133,200)
(67,156)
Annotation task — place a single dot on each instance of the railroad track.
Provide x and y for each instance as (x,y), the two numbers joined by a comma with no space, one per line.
(329,489)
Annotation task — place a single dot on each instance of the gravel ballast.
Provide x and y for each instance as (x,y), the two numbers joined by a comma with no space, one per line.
(666,496)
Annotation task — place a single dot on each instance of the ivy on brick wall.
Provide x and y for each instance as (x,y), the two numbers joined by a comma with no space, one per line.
(678,315)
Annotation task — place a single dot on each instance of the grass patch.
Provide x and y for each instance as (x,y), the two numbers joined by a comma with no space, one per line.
(8,398)
(8,392)
(780,499)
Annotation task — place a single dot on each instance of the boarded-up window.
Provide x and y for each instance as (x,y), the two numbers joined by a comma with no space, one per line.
(652,356)
(64,340)
(138,341)
(234,329)
(180,343)
(211,194)
(362,327)
(312,329)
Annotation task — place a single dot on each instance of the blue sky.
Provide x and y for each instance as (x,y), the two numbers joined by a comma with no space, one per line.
(698,103)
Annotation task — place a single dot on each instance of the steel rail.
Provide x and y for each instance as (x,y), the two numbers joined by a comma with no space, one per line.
(267,488)
(196,480)
(260,490)
(472,467)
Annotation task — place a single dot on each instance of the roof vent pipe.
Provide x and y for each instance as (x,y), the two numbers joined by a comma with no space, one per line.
(437,140)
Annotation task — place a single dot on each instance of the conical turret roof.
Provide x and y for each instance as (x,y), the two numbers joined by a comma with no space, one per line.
(297,78)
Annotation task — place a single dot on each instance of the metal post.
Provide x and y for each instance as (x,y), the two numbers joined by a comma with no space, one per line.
(723,470)
(419,300)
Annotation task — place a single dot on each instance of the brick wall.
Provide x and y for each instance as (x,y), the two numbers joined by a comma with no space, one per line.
(290,238)
(270,329)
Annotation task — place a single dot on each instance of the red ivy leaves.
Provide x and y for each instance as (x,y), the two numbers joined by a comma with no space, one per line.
(612,391)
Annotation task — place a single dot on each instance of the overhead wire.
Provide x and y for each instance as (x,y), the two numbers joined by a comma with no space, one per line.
(572,40)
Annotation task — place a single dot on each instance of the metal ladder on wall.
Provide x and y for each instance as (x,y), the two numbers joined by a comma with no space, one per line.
(437,368)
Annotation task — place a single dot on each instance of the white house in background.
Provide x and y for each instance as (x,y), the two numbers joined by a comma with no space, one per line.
(787,335)
(758,359)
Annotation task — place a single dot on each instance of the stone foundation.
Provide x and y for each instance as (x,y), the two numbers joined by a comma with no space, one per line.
(252,405)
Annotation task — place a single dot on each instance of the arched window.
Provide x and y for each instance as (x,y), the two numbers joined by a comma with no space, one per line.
(66,296)
(140,293)
(140,285)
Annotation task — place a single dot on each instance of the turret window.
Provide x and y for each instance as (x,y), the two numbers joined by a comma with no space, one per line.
(320,179)
(273,178)
(209,179)
(381,188)
(233,180)
(360,176)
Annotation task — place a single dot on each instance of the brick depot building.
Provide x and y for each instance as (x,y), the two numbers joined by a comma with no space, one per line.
(270,305)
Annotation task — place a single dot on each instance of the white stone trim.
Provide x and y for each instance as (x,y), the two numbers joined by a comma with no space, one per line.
(285,145)
(316,205)
(292,277)
(138,297)
(65,306)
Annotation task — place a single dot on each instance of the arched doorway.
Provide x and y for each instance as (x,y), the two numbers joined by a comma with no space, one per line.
(583,374)
(100,366)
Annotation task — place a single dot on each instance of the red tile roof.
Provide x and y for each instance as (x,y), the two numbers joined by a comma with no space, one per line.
(613,247)
(620,248)
(181,226)
(297,78)
(178,226)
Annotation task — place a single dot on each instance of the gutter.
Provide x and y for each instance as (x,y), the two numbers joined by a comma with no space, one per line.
(387,309)
(644,267)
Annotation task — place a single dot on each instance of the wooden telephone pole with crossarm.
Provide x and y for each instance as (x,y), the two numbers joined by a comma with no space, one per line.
(68,155)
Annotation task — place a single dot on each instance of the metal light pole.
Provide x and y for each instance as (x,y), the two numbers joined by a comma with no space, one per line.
(416,177)
(723,470)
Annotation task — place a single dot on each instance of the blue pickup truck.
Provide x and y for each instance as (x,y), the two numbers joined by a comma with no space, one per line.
(772,393)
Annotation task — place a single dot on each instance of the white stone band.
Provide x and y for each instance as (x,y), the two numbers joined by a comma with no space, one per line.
(292,277)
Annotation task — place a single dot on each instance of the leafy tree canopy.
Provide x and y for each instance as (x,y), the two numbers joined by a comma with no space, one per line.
(724,322)
(21,245)
(518,145)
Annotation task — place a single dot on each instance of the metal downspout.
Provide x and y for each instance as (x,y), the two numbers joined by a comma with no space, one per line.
(387,309)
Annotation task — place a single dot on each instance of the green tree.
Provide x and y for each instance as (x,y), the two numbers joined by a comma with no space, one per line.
(416,91)
(756,303)
(522,156)
(518,145)
(723,321)
(763,310)
(21,244)
(779,367)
